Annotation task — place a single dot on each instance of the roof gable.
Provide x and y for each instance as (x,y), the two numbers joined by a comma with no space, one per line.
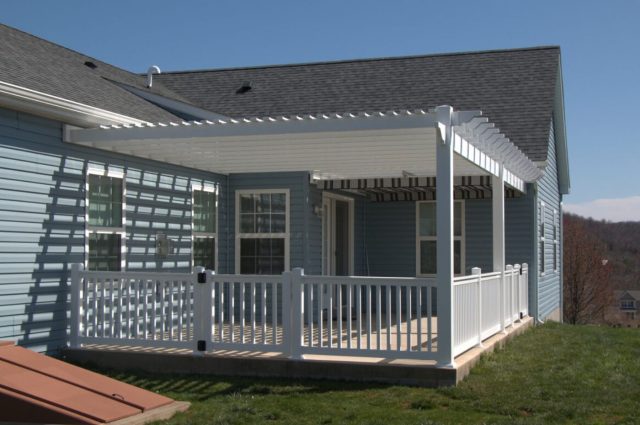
(515,89)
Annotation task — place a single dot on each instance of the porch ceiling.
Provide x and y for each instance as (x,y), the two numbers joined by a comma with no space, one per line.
(349,146)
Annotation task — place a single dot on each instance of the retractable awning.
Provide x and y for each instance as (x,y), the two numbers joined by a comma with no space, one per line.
(331,146)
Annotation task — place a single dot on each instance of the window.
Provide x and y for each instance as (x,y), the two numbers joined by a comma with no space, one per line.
(542,219)
(262,231)
(204,213)
(627,305)
(427,238)
(556,242)
(104,218)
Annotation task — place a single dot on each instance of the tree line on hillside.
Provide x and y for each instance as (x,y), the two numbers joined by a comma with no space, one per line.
(599,257)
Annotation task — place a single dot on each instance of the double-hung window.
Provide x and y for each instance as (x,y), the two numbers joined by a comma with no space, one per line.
(262,231)
(427,238)
(542,237)
(204,210)
(105,221)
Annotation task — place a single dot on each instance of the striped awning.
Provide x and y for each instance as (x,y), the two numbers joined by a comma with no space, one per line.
(414,188)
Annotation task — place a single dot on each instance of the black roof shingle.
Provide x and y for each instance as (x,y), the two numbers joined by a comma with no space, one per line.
(514,88)
(31,62)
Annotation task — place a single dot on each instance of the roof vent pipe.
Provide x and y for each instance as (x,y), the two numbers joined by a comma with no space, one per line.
(154,69)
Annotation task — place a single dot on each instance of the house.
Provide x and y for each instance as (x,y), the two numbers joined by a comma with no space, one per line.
(322,170)
(626,308)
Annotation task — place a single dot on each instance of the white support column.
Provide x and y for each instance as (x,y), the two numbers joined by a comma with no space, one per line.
(497,204)
(444,244)
(202,315)
(477,271)
(297,314)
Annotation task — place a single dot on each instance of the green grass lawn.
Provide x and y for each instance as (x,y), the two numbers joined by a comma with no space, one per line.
(551,374)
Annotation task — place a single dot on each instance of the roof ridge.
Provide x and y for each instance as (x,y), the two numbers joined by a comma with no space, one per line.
(373,59)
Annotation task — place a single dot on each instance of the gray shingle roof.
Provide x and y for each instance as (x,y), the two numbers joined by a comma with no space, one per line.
(514,88)
(37,64)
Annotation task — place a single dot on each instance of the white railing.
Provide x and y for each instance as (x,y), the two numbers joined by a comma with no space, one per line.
(293,314)
(132,308)
(484,304)
(366,316)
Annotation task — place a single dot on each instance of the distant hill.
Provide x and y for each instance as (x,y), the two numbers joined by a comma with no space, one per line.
(622,242)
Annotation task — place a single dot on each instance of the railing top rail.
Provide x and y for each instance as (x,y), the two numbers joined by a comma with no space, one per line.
(247,278)
(134,275)
(371,280)
(460,280)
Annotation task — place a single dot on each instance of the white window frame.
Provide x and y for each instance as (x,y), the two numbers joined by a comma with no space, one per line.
(194,234)
(542,234)
(631,305)
(461,238)
(329,266)
(285,236)
(88,229)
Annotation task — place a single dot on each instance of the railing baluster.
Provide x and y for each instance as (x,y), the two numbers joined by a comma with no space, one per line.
(349,313)
(242,302)
(419,315)
(388,315)
(320,315)
(378,316)
(84,284)
(429,319)
(399,318)
(330,315)
(274,312)
(263,287)
(358,316)
(308,289)
(154,307)
(408,318)
(368,293)
(253,312)
(181,294)
(339,312)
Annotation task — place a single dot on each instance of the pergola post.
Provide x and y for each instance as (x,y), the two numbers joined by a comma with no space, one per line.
(497,204)
(444,243)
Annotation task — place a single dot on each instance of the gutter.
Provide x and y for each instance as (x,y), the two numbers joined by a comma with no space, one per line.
(58,108)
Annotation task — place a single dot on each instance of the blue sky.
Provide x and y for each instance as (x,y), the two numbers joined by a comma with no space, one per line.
(600,44)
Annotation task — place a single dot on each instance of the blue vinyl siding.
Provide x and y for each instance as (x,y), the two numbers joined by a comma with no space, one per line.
(42,222)
(548,192)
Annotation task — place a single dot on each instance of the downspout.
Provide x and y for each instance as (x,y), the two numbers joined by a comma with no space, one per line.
(561,265)
(534,276)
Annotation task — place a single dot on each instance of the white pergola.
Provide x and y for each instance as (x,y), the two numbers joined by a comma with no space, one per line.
(393,144)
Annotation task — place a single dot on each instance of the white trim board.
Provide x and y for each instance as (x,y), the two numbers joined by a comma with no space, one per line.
(58,108)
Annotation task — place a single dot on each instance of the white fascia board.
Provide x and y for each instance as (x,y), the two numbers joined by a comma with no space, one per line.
(173,104)
(58,108)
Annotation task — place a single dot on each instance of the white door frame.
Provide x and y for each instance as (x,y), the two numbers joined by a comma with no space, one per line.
(328,226)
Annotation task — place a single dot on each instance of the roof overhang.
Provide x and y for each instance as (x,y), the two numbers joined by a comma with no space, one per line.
(562,149)
(332,146)
(57,108)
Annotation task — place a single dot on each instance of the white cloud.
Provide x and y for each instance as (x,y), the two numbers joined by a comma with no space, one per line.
(617,209)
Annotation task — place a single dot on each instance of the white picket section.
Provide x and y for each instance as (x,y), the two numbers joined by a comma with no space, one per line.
(367,316)
(477,313)
(247,312)
(133,308)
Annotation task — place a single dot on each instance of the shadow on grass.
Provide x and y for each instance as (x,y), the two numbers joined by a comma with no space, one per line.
(203,387)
